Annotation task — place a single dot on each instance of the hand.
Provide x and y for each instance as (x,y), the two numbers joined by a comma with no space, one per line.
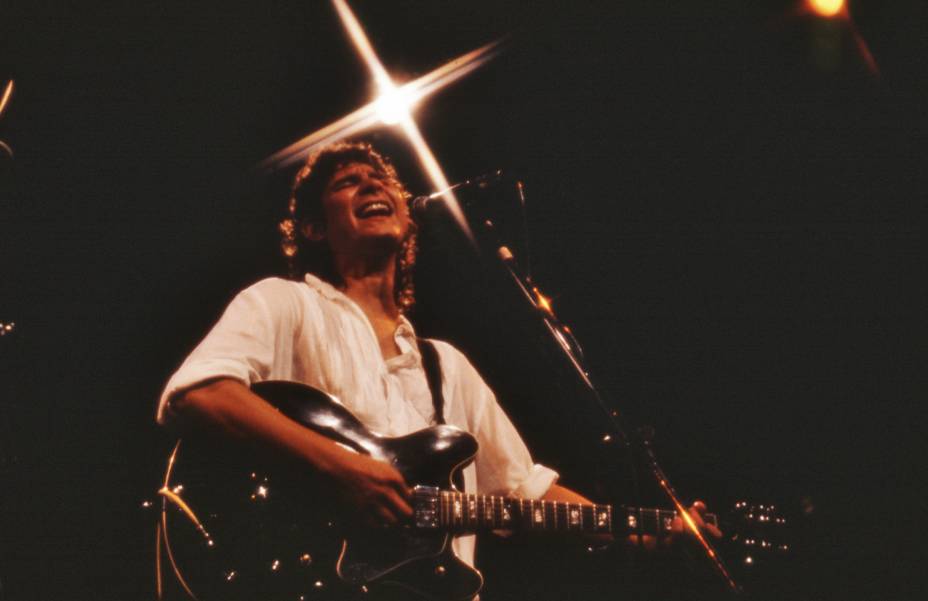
(696,512)
(375,489)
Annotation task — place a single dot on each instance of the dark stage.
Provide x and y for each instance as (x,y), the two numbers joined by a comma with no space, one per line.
(726,202)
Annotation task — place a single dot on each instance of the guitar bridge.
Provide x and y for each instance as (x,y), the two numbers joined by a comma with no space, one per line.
(426,506)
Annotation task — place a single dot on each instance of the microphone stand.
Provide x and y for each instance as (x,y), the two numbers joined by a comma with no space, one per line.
(570,350)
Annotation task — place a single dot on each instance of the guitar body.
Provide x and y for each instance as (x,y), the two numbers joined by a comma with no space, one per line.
(253,515)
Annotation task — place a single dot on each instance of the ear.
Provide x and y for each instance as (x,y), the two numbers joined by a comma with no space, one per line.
(314,232)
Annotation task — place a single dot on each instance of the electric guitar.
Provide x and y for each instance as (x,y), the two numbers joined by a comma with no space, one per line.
(227,530)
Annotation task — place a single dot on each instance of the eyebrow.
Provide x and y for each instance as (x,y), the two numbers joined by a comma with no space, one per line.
(354,174)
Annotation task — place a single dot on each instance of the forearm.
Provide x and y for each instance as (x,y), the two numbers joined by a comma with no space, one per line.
(228,407)
(374,488)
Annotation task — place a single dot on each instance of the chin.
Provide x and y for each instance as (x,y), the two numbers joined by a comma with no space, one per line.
(382,242)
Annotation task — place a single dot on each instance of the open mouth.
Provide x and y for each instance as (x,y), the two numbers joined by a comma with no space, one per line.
(374,208)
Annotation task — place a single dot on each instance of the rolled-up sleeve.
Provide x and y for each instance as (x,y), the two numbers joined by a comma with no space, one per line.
(241,346)
(504,464)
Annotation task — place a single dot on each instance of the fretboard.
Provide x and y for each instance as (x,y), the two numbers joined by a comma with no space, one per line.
(462,512)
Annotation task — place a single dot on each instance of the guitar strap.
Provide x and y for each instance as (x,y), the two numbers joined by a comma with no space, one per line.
(432,369)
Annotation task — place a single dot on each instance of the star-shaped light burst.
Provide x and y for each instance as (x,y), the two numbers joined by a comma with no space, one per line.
(392,106)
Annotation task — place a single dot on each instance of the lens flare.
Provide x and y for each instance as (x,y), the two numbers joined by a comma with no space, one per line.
(392,106)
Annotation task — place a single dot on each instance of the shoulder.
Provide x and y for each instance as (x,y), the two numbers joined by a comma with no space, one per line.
(274,286)
(274,296)
(277,291)
(447,352)
(455,365)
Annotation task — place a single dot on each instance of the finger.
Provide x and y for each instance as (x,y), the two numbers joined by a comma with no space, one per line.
(697,517)
(699,506)
(712,530)
(379,517)
(648,542)
(387,516)
(397,504)
(396,481)
(402,489)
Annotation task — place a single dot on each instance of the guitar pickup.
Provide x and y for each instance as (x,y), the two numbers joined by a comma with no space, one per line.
(426,506)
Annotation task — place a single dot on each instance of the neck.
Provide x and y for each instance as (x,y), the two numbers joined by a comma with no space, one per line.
(370,282)
(463,512)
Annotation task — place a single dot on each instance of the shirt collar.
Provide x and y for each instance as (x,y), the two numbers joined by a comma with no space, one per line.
(404,330)
(326,289)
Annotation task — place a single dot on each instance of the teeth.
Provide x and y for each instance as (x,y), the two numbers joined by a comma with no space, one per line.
(374,208)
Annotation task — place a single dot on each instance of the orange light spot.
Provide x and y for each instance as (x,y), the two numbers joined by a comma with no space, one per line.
(827,8)
(543,301)
(5,99)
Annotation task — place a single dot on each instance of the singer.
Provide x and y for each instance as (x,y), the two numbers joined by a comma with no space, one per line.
(339,324)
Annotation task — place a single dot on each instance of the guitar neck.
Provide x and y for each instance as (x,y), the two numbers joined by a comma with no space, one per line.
(462,512)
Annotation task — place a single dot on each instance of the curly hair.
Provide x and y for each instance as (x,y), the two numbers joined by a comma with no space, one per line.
(305,206)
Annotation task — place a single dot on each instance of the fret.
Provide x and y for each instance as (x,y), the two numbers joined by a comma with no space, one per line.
(553,505)
(472,510)
(488,511)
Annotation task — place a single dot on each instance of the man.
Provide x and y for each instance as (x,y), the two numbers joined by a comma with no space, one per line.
(342,329)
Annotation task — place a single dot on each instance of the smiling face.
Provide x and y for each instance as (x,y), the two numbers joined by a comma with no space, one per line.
(365,211)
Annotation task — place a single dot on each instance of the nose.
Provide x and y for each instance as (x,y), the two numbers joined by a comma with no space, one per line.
(370,185)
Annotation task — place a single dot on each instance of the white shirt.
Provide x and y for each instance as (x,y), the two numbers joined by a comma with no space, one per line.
(310,332)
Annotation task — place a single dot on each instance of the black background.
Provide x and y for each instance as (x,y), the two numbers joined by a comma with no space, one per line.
(725,203)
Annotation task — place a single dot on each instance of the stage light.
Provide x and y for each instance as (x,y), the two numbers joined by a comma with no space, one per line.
(391,107)
(394,104)
(835,10)
(827,8)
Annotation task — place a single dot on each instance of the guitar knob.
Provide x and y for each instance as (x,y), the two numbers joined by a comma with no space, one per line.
(440,570)
(306,559)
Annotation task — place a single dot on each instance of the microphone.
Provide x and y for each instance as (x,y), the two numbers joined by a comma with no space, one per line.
(420,205)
